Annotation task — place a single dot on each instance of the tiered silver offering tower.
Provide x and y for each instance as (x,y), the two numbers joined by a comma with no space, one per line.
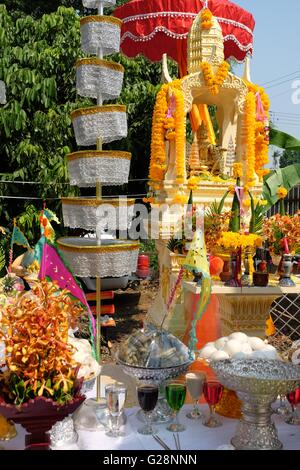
(97,125)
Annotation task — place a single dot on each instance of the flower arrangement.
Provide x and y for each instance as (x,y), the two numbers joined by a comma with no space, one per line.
(280,228)
(206,19)
(38,358)
(214,82)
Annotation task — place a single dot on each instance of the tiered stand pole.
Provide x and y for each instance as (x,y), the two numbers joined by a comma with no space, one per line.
(98,279)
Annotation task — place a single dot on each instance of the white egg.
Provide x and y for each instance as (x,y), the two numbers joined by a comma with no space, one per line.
(240,355)
(220,343)
(259,354)
(232,347)
(271,355)
(256,343)
(207,352)
(241,337)
(246,349)
(219,356)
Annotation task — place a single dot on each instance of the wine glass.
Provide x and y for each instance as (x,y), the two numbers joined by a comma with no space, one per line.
(115,395)
(294,400)
(147,397)
(212,392)
(195,382)
(175,395)
(283,409)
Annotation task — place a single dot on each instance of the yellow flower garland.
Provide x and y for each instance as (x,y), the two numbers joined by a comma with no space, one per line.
(206,19)
(233,241)
(249,138)
(215,81)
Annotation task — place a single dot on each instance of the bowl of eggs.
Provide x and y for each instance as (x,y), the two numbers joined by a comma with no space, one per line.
(238,346)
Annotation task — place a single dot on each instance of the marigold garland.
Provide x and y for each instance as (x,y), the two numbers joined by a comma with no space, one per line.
(180,136)
(261,132)
(233,240)
(215,81)
(237,170)
(206,19)
(249,138)
(171,128)
(158,154)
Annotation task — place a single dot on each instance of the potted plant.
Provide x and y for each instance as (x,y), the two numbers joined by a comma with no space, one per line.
(38,383)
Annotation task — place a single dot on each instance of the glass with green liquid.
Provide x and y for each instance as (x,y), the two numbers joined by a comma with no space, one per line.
(175,395)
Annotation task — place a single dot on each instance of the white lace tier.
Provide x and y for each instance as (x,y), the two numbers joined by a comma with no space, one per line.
(110,168)
(87,259)
(100,32)
(95,3)
(95,77)
(103,215)
(106,122)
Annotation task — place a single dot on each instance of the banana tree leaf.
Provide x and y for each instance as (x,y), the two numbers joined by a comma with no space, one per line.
(287,177)
(283,140)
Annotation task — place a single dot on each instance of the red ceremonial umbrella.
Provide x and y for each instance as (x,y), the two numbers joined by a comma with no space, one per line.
(155,27)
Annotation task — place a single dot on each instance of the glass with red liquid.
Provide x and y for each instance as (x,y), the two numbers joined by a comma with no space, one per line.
(212,391)
(294,400)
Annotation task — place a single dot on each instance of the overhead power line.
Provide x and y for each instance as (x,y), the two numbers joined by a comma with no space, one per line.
(280,78)
(282,83)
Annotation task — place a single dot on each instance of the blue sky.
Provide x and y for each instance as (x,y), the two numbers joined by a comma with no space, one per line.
(276,55)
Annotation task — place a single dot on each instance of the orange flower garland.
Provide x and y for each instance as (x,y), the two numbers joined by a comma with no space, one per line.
(261,133)
(249,138)
(214,82)
(180,136)
(167,128)
(158,154)
(206,19)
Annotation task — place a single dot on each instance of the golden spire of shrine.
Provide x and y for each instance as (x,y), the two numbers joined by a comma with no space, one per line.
(205,41)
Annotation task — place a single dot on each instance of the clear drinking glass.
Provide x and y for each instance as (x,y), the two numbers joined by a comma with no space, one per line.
(147,397)
(195,382)
(115,395)
(283,408)
(175,395)
(212,392)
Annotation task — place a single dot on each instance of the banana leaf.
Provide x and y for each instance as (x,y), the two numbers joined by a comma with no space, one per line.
(287,177)
(283,140)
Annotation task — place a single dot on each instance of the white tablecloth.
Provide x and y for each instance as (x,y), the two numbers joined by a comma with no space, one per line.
(196,436)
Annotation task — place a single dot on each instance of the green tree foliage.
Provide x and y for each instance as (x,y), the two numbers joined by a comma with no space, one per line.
(37,57)
(289,157)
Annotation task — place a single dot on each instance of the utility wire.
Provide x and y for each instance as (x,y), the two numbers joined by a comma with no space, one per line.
(59,198)
(282,83)
(58,184)
(280,78)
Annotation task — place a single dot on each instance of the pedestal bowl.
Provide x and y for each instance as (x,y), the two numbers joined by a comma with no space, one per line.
(154,355)
(258,384)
